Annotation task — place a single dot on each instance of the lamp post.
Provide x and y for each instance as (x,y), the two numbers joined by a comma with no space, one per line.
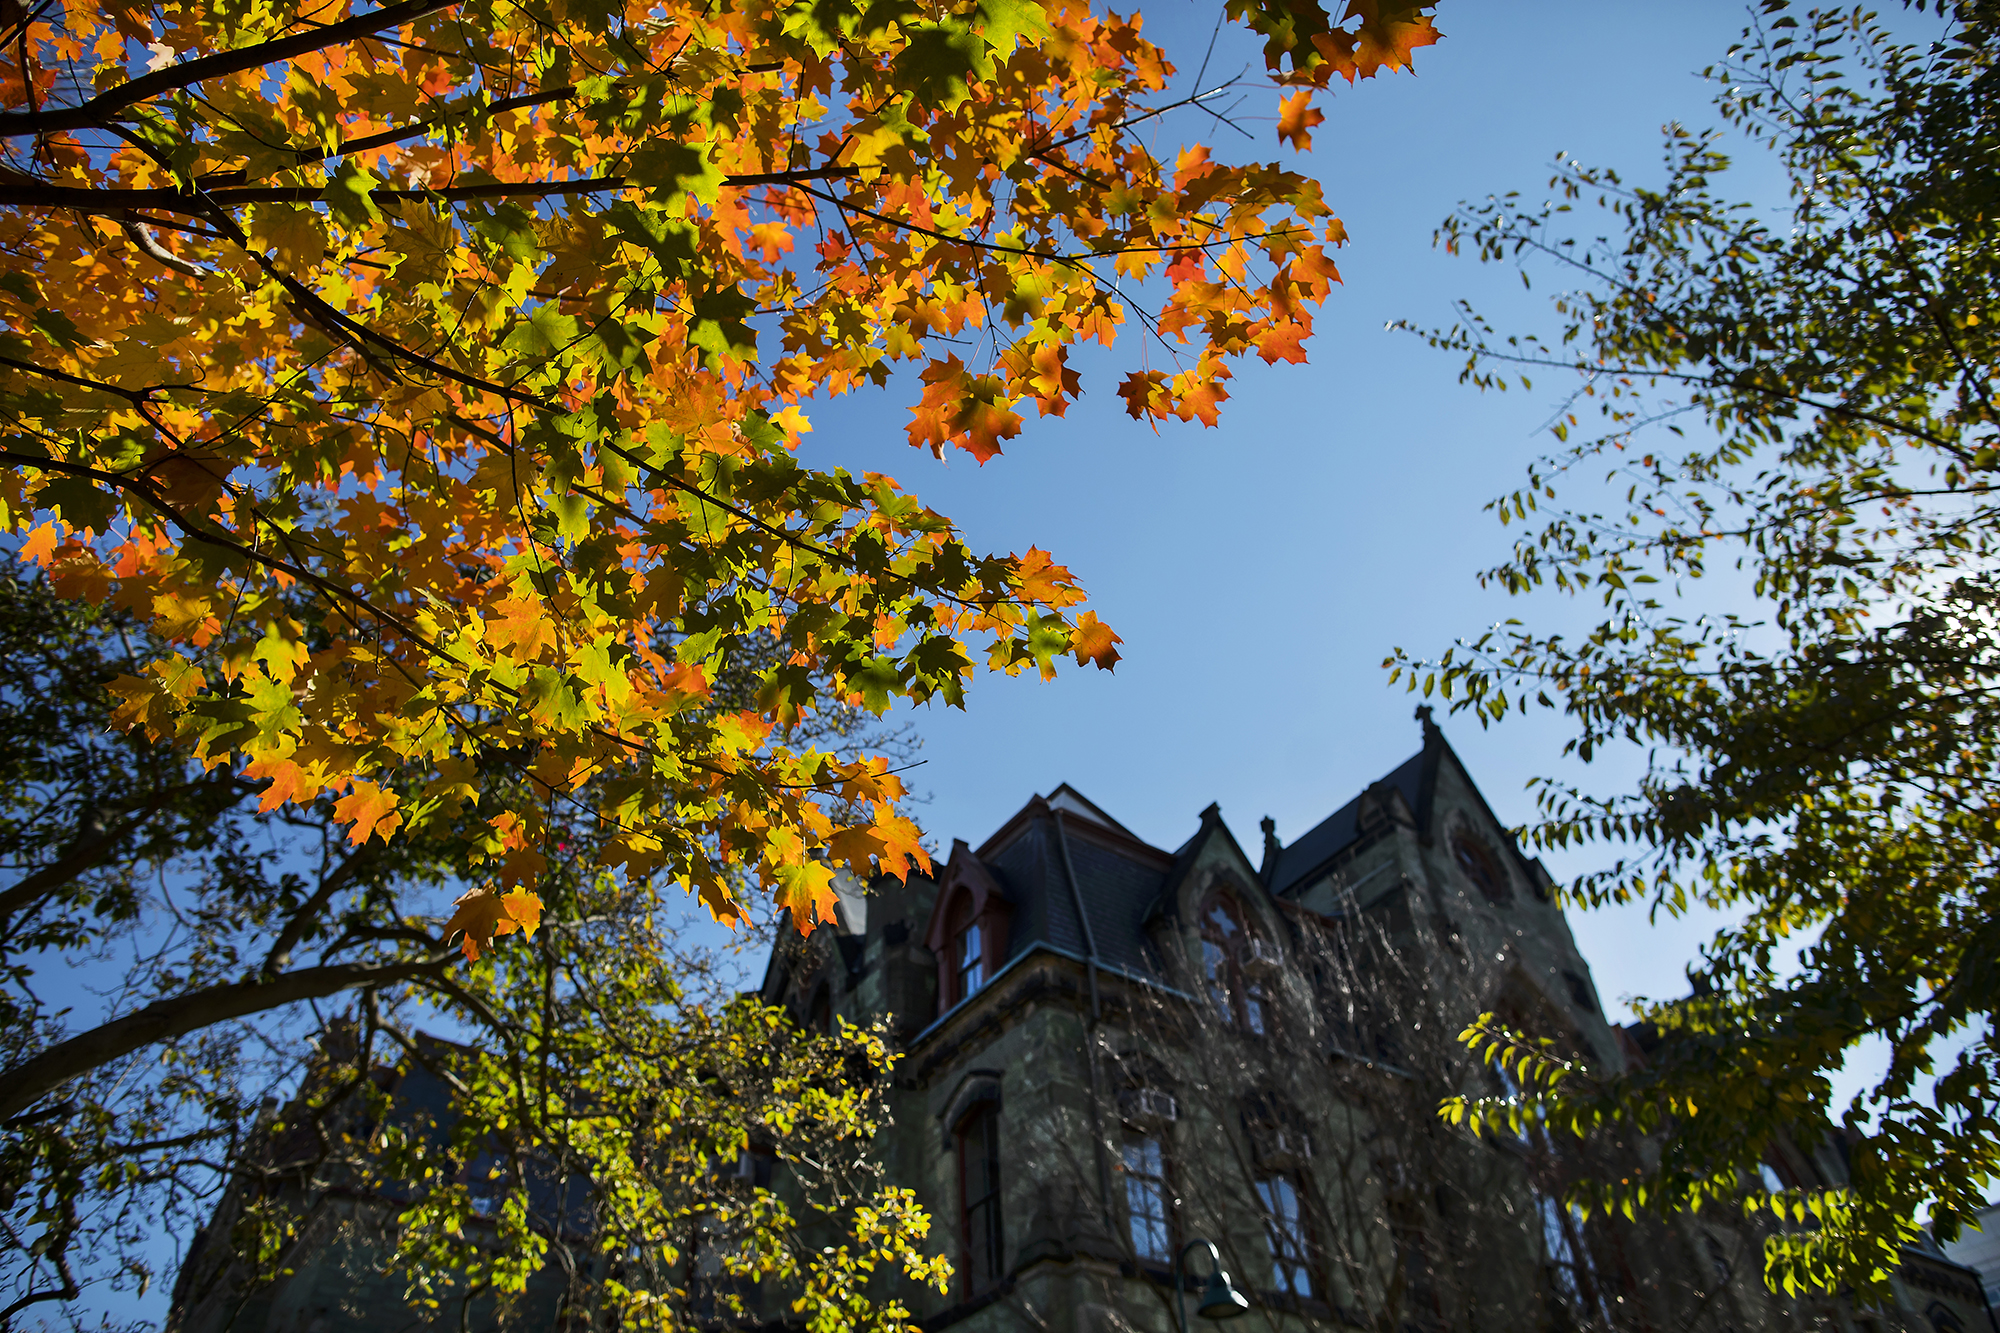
(1219,1300)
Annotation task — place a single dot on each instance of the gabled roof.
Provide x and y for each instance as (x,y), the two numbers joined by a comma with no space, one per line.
(1334,834)
(1071,801)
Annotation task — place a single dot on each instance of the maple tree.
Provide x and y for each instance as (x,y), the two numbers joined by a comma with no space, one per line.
(419,389)
(157,1013)
(487,329)
(1808,401)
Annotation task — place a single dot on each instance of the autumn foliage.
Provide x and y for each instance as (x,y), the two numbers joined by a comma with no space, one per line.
(432,376)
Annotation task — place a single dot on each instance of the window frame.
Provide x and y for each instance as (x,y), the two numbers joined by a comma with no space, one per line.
(978,1131)
(1239,998)
(1159,1187)
(966,896)
(966,935)
(1474,860)
(1288,1239)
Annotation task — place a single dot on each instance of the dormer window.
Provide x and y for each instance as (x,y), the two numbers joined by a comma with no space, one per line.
(1237,996)
(967,934)
(969,950)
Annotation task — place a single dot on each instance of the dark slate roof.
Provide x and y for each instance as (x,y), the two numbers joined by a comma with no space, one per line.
(1117,879)
(1116,891)
(1332,835)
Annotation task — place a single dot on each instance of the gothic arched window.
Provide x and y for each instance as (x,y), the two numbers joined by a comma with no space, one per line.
(979,1190)
(967,932)
(1238,997)
(1477,863)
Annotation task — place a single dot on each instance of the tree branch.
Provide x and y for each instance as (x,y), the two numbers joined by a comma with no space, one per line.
(26,1083)
(26,192)
(93,843)
(103,107)
(302,920)
(382,139)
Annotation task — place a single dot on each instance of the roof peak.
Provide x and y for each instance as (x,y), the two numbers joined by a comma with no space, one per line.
(1071,801)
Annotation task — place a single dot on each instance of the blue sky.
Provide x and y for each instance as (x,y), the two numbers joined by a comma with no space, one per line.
(1260,571)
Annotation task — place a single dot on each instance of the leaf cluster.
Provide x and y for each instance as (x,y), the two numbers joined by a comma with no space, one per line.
(1809,404)
(433,377)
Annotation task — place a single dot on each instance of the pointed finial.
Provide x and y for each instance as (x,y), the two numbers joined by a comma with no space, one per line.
(1271,845)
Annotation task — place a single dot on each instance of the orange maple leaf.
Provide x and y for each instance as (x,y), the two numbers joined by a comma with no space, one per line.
(857,848)
(288,782)
(902,845)
(1039,579)
(370,810)
(806,888)
(1283,343)
(1091,640)
(1296,118)
(962,409)
(483,914)
(525,623)
(1389,32)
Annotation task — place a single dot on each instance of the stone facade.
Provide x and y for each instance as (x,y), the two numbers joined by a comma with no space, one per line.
(1113,1051)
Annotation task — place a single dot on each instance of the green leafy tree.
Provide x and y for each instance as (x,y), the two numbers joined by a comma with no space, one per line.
(1807,401)
(174,955)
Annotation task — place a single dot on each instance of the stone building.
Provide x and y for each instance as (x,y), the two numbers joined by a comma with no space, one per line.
(1113,1050)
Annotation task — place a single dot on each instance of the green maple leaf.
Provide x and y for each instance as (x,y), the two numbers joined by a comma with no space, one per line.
(349,194)
(544,332)
(1006,22)
(718,326)
(940,61)
(550,699)
(674,171)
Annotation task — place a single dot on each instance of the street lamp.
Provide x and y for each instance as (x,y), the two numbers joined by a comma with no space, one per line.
(1219,1300)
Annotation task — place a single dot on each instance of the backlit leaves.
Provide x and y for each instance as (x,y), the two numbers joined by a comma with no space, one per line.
(1809,406)
(490,332)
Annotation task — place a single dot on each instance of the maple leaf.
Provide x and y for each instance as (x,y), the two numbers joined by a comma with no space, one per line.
(1091,640)
(962,409)
(1389,32)
(141,696)
(857,848)
(901,845)
(288,781)
(483,915)
(1285,342)
(1296,118)
(806,891)
(369,811)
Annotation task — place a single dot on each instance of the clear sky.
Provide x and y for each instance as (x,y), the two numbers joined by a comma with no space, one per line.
(1260,571)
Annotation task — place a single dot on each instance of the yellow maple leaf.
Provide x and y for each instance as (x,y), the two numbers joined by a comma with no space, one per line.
(294,236)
